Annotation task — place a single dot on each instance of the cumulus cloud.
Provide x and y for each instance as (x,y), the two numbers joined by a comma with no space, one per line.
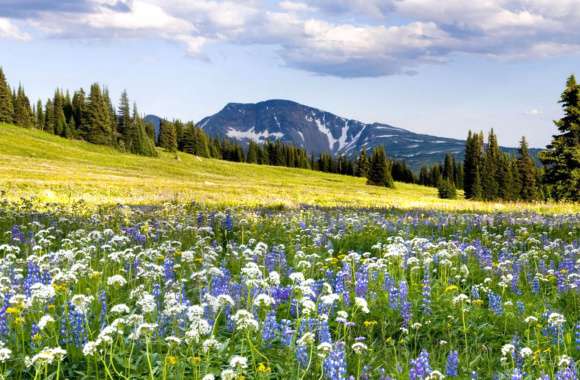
(345,38)
(9,31)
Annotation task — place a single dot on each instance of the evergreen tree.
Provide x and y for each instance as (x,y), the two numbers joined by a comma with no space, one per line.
(379,174)
(167,136)
(49,120)
(472,166)
(527,173)
(78,108)
(22,111)
(489,169)
(201,143)
(96,124)
(252,154)
(188,139)
(362,164)
(141,143)
(562,156)
(126,131)
(39,122)
(449,168)
(6,105)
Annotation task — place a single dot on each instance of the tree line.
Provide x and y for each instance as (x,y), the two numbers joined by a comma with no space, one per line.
(485,174)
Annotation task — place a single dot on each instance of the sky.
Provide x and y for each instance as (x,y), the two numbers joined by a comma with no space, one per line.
(440,67)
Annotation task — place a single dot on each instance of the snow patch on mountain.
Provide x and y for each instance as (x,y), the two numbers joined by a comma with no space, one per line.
(251,134)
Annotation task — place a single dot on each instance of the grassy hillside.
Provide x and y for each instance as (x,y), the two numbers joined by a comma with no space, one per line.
(33,163)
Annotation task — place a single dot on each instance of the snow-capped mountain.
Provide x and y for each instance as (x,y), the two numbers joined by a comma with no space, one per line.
(319,131)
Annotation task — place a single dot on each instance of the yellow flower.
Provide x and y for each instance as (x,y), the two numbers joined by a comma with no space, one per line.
(95,275)
(477,302)
(18,321)
(263,369)
(451,288)
(369,323)
(12,310)
(171,360)
(196,360)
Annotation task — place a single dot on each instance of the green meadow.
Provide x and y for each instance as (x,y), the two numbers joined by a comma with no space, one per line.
(56,170)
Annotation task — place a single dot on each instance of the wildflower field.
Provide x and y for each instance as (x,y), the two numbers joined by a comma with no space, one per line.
(187,292)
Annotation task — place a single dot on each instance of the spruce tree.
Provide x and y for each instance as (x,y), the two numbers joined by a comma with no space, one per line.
(201,144)
(379,174)
(188,139)
(49,120)
(78,108)
(362,164)
(96,125)
(489,168)
(561,158)
(39,120)
(126,131)
(527,173)
(472,166)
(22,111)
(167,136)
(6,106)
(141,142)
(252,155)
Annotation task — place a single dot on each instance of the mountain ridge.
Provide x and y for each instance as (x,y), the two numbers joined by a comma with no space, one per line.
(320,131)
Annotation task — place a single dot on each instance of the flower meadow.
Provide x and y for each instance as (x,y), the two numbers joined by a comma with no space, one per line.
(186,292)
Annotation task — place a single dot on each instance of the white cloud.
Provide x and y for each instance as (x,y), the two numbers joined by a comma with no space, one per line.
(347,38)
(9,31)
(534,112)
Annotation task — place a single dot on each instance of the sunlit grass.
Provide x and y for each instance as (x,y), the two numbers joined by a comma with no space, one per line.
(52,169)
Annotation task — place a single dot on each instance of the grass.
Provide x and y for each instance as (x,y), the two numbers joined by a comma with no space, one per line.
(53,169)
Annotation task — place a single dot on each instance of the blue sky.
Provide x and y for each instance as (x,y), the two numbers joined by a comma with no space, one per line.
(425,65)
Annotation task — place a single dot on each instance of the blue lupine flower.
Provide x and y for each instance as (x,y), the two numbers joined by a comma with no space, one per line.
(420,367)
(495,303)
(335,363)
(452,364)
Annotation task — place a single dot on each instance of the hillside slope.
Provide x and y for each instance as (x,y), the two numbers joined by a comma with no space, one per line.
(319,131)
(33,163)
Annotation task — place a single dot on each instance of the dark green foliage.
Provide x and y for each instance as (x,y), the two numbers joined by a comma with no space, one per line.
(141,143)
(473,166)
(125,129)
(379,170)
(22,112)
(49,120)
(362,164)
(39,116)
(562,156)
(489,168)
(167,136)
(446,189)
(6,106)
(252,154)
(96,124)
(402,173)
(526,173)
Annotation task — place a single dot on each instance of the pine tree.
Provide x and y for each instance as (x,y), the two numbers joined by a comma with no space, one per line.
(472,166)
(362,164)
(201,143)
(49,120)
(527,173)
(141,142)
(6,106)
(126,131)
(78,108)
(167,136)
(22,111)
(96,125)
(489,169)
(562,156)
(449,168)
(39,120)
(379,174)
(252,155)
(188,139)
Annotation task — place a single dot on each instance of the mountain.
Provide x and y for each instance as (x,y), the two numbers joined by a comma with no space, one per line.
(319,131)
